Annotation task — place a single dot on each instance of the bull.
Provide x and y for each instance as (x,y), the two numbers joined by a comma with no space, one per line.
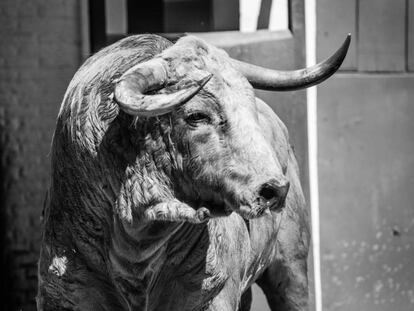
(172,186)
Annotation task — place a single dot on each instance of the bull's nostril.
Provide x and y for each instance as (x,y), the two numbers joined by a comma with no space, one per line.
(268,193)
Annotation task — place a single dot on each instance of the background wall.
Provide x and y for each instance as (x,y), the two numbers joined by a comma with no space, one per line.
(366,163)
(39,52)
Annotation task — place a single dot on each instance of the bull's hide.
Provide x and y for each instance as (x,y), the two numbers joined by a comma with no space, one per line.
(172,187)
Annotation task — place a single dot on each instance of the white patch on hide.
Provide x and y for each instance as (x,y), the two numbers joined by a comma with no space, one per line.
(123,208)
(58,265)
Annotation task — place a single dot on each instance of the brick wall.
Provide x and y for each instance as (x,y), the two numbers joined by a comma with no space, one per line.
(39,53)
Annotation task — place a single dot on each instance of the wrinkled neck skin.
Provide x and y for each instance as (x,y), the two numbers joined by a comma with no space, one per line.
(151,252)
(188,261)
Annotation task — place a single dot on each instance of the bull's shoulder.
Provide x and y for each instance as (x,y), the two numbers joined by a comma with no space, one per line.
(271,119)
(275,132)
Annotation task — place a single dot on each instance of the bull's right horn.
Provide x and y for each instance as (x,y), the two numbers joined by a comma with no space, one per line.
(145,77)
(277,80)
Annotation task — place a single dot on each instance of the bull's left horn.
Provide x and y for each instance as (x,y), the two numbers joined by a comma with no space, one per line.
(131,87)
(276,80)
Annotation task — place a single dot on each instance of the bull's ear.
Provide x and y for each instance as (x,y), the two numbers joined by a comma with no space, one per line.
(131,89)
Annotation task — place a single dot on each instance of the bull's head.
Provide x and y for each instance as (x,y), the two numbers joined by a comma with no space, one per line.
(222,154)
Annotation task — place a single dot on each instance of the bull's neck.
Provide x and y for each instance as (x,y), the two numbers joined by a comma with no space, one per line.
(148,244)
(142,243)
(140,253)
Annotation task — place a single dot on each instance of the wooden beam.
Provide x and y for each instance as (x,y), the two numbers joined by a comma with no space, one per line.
(264,14)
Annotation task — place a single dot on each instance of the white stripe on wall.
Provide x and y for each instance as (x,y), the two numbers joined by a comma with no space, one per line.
(279,15)
(310,18)
(249,14)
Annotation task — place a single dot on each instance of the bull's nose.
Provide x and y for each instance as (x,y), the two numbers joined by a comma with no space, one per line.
(273,193)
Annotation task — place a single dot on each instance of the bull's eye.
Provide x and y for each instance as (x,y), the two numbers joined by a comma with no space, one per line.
(198,118)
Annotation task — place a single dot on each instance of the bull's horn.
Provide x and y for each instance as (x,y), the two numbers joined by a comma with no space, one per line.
(276,80)
(130,90)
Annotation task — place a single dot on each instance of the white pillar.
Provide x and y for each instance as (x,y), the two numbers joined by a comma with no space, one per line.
(310,17)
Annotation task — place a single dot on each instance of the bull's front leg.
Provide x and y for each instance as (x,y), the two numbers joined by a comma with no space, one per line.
(176,211)
(285,281)
(285,285)
(227,300)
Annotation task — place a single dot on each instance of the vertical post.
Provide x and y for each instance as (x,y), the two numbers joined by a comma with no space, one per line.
(264,14)
(116,17)
(310,22)
(85,31)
